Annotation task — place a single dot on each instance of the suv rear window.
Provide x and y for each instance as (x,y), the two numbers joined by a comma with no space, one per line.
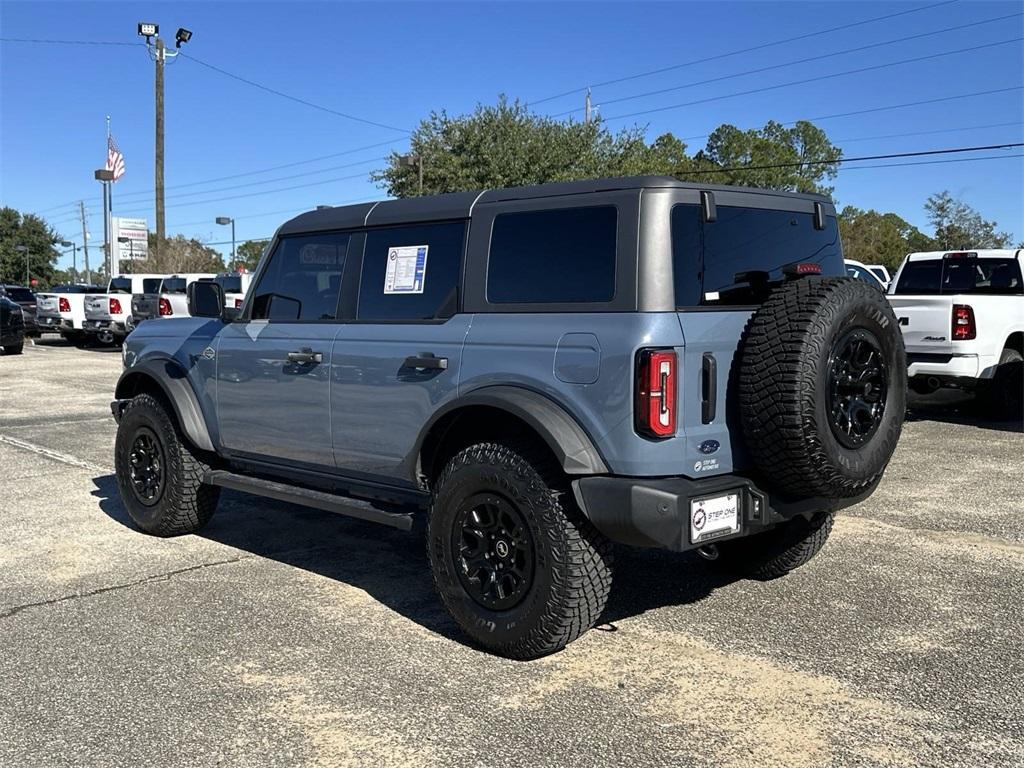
(120,285)
(554,256)
(961,275)
(709,260)
(411,272)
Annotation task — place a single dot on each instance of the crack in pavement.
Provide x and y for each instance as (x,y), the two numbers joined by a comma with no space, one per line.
(167,576)
(49,453)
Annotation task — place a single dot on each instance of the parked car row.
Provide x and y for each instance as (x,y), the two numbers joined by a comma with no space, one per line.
(92,313)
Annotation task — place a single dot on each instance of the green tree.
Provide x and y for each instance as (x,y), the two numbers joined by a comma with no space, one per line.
(772,154)
(879,238)
(248,253)
(37,236)
(178,254)
(958,225)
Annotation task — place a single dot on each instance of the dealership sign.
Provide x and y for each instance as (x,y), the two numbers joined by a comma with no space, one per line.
(137,234)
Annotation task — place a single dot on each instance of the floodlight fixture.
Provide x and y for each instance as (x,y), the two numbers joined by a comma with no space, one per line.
(182,36)
(148,29)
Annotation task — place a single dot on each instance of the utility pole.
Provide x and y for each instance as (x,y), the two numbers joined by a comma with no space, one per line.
(413,160)
(586,108)
(85,241)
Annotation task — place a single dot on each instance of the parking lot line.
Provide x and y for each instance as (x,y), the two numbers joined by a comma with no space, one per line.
(52,454)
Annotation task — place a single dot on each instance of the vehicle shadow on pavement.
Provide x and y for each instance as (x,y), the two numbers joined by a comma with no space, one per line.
(391,566)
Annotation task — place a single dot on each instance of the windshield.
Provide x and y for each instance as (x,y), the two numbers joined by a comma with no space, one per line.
(120,285)
(173,285)
(961,275)
(20,294)
(230,283)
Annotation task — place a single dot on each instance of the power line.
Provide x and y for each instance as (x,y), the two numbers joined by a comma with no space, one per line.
(927,133)
(705,59)
(296,99)
(933,162)
(819,78)
(794,62)
(64,42)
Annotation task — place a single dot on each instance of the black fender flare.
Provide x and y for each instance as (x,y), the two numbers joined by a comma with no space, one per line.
(172,380)
(568,441)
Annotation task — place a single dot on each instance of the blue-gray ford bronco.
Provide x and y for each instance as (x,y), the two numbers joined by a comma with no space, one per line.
(535,373)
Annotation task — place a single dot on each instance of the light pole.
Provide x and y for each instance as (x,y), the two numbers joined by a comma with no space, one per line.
(23,249)
(228,220)
(106,178)
(74,254)
(413,161)
(159,54)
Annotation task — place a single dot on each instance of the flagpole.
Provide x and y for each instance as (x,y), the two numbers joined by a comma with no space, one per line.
(108,214)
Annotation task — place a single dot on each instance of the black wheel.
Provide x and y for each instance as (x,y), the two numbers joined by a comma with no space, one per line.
(1003,395)
(514,561)
(14,349)
(776,552)
(158,474)
(823,387)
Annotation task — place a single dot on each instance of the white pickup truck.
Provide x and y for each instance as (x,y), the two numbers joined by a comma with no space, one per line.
(108,316)
(962,317)
(62,309)
(168,300)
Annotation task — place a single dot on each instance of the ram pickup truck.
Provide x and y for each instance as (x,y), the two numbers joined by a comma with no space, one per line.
(962,317)
(108,316)
(62,309)
(235,285)
(168,300)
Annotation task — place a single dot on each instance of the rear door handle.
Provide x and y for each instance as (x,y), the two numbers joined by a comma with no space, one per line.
(427,360)
(305,356)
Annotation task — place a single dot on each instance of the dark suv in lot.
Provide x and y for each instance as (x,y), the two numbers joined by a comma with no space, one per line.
(536,373)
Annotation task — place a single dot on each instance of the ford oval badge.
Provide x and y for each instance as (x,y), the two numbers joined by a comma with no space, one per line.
(709,446)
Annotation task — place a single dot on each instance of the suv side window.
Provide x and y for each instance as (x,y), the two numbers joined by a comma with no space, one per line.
(554,256)
(411,272)
(302,279)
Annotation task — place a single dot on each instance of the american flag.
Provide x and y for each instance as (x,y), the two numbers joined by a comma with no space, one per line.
(115,160)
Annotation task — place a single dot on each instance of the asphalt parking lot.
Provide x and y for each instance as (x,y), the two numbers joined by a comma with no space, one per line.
(287,636)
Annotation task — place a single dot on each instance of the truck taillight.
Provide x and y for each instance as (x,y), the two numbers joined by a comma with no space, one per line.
(165,308)
(655,410)
(115,307)
(964,327)
(238,303)
(64,305)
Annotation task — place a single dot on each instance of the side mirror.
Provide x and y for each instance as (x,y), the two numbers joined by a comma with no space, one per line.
(205,299)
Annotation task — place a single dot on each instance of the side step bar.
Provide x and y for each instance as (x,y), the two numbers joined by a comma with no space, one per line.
(330,502)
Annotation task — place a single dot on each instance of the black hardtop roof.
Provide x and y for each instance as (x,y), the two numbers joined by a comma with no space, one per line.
(459,205)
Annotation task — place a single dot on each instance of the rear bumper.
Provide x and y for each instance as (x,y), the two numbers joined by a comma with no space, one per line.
(95,326)
(940,365)
(47,323)
(646,512)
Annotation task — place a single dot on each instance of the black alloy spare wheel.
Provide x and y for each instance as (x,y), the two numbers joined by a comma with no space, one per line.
(146,467)
(858,379)
(493,552)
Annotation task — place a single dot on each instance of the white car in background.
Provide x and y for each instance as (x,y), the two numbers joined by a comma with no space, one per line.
(108,316)
(235,286)
(864,272)
(881,272)
(169,299)
(962,317)
(62,309)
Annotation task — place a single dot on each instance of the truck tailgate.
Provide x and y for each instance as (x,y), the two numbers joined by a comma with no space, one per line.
(926,322)
(145,306)
(96,307)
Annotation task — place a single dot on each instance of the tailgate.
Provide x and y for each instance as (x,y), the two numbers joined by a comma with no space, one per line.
(96,307)
(46,304)
(144,306)
(925,321)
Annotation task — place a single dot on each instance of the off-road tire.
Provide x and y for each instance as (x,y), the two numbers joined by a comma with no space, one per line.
(573,562)
(784,381)
(776,552)
(1003,396)
(14,349)
(185,504)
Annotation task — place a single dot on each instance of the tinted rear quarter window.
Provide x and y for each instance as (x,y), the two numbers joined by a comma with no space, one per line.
(422,280)
(555,256)
(302,279)
(120,285)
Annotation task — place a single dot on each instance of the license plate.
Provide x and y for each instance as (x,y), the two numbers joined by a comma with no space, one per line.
(714,516)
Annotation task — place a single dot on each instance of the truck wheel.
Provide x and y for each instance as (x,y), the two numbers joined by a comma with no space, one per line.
(159,476)
(14,349)
(823,387)
(1004,394)
(514,561)
(776,552)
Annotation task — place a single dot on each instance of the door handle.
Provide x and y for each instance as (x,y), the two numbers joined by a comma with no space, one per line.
(427,360)
(305,356)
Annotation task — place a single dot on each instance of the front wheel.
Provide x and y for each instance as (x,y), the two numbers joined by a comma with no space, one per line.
(514,561)
(159,476)
(14,349)
(776,552)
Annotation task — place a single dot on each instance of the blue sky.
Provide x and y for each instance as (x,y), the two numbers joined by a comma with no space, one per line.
(391,63)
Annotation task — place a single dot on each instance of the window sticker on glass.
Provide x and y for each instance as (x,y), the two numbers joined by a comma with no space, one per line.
(407,269)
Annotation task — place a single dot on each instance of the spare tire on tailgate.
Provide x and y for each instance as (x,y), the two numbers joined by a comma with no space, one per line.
(822,387)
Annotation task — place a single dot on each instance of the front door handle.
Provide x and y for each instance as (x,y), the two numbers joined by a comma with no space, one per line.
(305,356)
(428,361)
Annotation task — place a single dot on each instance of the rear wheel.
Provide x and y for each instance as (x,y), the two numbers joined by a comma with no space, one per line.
(159,476)
(1004,394)
(14,349)
(778,551)
(514,561)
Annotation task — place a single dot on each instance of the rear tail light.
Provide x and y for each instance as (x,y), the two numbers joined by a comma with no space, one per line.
(238,303)
(115,307)
(64,305)
(165,308)
(964,327)
(655,410)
